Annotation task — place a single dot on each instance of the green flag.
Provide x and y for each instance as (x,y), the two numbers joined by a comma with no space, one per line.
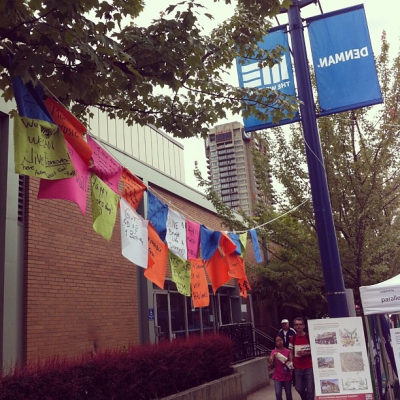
(40,150)
(180,273)
(104,207)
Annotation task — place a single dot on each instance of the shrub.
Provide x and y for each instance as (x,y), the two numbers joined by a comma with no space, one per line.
(140,373)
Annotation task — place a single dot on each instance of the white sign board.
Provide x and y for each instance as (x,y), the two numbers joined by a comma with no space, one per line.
(395,336)
(340,361)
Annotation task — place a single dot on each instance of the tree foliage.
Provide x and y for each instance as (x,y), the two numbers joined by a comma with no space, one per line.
(168,74)
(362,159)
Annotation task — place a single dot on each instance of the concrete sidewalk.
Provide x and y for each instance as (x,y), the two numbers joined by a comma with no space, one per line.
(268,393)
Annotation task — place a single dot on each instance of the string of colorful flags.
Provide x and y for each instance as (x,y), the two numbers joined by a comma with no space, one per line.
(49,144)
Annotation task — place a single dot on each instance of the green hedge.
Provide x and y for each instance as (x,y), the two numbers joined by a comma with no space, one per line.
(141,373)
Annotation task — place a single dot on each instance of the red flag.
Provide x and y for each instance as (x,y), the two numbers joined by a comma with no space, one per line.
(198,283)
(133,188)
(244,286)
(72,129)
(226,244)
(158,256)
(217,270)
(236,266)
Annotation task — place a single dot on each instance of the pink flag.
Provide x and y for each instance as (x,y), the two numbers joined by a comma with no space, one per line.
(73,189)
(192,239)
(106,167)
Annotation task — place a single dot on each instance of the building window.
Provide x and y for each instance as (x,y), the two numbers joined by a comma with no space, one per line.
(224,137)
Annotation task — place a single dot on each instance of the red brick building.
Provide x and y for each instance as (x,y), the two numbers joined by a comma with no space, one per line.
(68,291)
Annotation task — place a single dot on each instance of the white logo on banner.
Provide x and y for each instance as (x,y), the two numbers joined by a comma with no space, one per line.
(343,56)
(272,77)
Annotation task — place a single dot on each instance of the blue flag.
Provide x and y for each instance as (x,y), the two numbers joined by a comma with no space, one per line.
(30,100)
(235,239)
(279,77)
(343,60)
(157,213)
(256,246)
(209,241)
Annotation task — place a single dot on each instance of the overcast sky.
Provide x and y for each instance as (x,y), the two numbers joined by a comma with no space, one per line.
(381,15)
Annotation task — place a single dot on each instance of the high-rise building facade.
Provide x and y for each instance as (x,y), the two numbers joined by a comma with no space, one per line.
(230,165)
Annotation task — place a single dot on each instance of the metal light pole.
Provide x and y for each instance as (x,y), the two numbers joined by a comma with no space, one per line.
(331,267)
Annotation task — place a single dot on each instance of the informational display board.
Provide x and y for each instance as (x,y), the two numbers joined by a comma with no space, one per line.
(395,337)
(340,360)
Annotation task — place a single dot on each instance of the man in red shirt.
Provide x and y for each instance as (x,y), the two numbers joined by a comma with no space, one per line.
(300,354)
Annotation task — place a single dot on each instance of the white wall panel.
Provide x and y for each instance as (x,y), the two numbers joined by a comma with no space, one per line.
(154,149)
(120,133)
(144,143)
(147,144)
(94,122)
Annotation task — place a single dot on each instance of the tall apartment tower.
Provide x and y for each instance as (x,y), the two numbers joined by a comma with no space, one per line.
(230,166)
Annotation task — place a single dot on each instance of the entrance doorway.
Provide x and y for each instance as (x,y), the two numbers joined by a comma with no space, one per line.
(175,317)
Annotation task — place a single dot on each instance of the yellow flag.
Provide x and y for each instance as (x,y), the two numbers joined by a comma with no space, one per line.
(243,242)
(40,150)
(180,269)
(104,207)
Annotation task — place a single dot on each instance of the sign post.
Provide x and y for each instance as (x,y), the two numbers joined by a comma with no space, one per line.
(331,267)
(342,63)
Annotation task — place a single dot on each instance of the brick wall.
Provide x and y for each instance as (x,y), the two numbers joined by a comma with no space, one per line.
(80,292)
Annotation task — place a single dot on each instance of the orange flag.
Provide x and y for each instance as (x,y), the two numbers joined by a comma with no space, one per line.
(236,266)
(226,244)
(158,256)
(198,283)
(217,270)
(244,286)
(72,129)
(133,188)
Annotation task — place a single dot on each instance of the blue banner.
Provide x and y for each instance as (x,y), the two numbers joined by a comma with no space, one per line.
(256,246)
(29,100)
(343,60)
(209,241)
(157,213)
(279,77)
